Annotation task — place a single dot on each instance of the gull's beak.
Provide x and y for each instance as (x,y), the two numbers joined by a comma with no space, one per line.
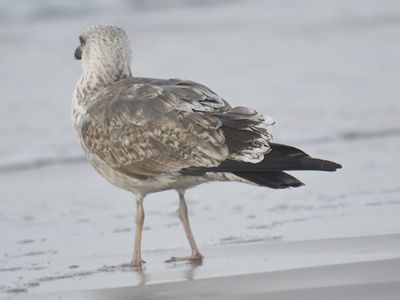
(78,53)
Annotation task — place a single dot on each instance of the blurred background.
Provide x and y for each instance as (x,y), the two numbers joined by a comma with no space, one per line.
(332,64)
(326,71)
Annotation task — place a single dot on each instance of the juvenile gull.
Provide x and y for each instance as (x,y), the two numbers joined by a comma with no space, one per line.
(146,135)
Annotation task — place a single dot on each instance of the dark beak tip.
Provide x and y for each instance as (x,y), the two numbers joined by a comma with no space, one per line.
(78,53)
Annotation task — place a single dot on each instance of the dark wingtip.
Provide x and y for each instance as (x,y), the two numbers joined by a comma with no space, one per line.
(271,179)
(294,185)
(315,164)
(285,186)
(334,166)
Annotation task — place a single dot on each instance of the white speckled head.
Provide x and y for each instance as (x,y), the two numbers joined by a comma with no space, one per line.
(105,53)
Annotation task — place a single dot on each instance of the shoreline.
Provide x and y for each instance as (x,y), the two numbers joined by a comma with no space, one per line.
(251,271)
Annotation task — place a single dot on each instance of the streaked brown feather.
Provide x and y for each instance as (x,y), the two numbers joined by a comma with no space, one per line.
(148,127)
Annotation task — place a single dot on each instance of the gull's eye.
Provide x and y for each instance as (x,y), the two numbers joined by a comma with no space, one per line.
(82,40)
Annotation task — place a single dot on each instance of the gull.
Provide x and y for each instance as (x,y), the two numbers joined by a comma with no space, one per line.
(146,135)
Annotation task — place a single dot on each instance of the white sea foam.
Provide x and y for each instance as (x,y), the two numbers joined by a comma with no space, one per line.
(35,159)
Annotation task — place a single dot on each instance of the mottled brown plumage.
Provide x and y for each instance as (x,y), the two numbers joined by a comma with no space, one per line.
(148,127)
(147,135)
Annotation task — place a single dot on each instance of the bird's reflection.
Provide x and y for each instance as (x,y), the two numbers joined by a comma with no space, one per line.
(188,268)
(143,276)
(188,271)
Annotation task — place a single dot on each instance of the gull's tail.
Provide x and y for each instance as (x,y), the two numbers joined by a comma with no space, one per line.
(270,171)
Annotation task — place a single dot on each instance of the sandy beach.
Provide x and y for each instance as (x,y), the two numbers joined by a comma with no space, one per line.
(327,72)
(352,268)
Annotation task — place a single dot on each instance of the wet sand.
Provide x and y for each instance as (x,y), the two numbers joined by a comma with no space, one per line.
(61,239)
(352,268)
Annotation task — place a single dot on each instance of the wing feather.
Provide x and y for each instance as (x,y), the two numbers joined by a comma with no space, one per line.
(147,127)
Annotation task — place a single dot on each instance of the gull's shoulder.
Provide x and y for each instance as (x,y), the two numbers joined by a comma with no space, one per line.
(184,94)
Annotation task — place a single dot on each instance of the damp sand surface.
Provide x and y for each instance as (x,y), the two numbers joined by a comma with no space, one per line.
(342,268)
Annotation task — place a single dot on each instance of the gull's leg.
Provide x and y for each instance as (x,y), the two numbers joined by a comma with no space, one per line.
(182,214)
(137,260)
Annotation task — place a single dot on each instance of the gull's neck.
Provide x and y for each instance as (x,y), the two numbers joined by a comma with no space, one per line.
(90,86)
(93,80)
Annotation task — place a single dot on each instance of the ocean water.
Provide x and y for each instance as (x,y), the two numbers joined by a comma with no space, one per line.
(26,10)
(322,71)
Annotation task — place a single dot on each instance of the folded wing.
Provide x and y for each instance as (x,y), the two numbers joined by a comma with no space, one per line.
(147,127)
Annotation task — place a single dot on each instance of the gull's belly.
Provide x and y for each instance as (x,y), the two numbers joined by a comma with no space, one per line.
(139,184)
(142,184)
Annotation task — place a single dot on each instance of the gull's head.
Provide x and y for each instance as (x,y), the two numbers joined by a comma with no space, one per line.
(105,52)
